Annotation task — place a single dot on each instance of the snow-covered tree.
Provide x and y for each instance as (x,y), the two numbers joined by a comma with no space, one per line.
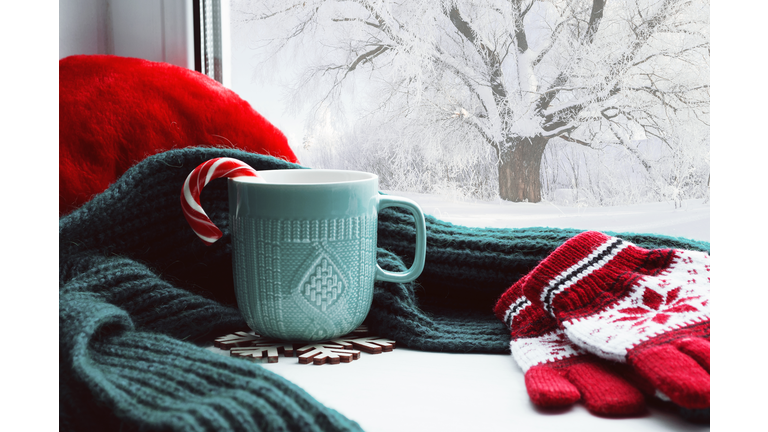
(510,75)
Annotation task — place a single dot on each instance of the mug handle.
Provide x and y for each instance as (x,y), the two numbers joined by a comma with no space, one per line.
(421,241)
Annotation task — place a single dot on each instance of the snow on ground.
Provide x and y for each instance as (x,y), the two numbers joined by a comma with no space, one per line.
(692,220)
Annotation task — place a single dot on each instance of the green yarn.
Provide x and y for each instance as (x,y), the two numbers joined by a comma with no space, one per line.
(123,363)
(449,307)
(138,290)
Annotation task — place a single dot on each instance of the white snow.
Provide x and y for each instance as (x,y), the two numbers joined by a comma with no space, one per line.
(691,220)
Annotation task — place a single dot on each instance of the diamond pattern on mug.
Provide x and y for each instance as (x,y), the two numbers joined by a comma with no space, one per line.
(324,285)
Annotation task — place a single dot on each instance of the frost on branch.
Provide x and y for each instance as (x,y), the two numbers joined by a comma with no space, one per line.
(469,97)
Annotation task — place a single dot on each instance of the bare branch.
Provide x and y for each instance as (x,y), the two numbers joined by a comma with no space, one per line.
(374,25)
(366,57)
(520,36)
(552,41)
(490,60)
(596,16)
(568,138)
(675,54)
(260,17)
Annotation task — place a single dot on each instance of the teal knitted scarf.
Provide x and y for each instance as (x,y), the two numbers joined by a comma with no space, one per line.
(140,294)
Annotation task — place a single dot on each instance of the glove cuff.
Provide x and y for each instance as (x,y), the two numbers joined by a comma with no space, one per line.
(573,279)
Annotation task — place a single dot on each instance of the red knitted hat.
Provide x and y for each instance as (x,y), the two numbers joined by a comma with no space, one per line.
(115,111)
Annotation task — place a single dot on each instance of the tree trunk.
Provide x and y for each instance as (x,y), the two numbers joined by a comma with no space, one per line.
(520,170)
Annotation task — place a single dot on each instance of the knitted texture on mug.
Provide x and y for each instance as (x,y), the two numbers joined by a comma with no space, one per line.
(169,289)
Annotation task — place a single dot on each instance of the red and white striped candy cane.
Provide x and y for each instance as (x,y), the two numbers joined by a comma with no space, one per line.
(194,184)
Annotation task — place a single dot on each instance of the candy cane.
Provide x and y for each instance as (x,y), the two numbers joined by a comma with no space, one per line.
(194,184)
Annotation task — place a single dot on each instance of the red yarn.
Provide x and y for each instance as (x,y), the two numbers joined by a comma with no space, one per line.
(116,111)
(557,373)
(646,308)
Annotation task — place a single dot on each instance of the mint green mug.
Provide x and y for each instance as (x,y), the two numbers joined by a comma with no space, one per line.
(304,250)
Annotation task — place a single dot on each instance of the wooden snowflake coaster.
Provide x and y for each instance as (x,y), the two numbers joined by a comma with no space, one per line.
(268,349)
(323,352)
(236,340)
(340,350)
(360,331)
(369,344)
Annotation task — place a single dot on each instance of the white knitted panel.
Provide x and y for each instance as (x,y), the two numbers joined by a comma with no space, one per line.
(649,310)
(553,346)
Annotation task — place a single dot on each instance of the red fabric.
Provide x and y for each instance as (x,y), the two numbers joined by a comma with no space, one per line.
(675,374)
(697,349)
(116,111)
(547,388)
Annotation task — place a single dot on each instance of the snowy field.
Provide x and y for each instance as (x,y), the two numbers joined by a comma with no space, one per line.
(691,220)
(408,390)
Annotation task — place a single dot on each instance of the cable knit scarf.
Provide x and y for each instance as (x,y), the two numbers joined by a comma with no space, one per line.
(140,295)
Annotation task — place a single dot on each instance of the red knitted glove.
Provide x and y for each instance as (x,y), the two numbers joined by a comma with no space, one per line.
(557,372)
(648,308)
